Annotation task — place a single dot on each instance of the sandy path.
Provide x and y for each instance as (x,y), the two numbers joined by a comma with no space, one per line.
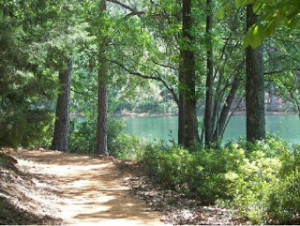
(87,189)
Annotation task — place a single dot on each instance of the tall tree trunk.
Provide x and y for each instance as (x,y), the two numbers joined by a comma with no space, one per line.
(101,135)
(181,90)
(208,123)
(181,106)
(188,60)
(254,86)
(61,129)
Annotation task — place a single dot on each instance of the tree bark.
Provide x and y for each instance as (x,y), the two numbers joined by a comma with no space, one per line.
(181,95)
(61,128)
(188,69)
(255,99)
(181,106)
(101,135)
(208,123)
(220,127)
(271,102)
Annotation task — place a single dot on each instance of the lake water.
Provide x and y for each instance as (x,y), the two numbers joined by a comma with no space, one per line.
(165,127)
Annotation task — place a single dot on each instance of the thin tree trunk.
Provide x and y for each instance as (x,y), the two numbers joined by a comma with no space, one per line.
(101,135)
(271,102)
(188,57)
(230,116)
(220,127)
(208,123)
(217,100)
(254,86)
(295,99)
(61,128)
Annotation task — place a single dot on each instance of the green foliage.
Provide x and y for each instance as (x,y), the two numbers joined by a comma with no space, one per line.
(274,14)
(35,38)
(259,180)
(125,146)
(265,188)
(82,136)
(201,172)
(167,165)
(150,99)
(121,145)
(211,182)
(25,90)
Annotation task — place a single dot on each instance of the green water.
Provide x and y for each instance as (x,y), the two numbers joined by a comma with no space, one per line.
(165,127)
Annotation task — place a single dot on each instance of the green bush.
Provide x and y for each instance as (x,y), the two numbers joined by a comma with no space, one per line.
(126,146)
(168,166)
(260,180)
(201,173)
(82,137)
(211,183)
(27,128)
(265,188)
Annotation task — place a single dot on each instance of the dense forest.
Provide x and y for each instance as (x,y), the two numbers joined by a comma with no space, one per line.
(69,67)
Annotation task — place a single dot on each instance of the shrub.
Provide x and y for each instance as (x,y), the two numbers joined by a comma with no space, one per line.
(265,188)
(82,137)
(27,128)
(261,180)
(201,173)
(168,166)
(126,146)
(211,183)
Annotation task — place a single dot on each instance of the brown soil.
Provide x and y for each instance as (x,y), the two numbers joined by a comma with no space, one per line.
(51,187)
(178,208)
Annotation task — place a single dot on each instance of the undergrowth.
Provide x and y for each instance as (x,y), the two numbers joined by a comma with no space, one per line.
(260,180)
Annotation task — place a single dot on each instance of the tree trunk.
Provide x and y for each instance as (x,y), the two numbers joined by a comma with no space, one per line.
(181,107)
(254,86)
(271,102)
(61,129)
(220,127)
(208,123)
(188,60)
(181,90)
(101,135)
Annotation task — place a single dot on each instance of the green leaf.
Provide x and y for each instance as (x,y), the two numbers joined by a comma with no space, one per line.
(238,3)
(228,8)
(221,14)
(254,37)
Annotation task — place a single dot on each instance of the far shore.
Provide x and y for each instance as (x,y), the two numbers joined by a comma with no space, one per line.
(135,114)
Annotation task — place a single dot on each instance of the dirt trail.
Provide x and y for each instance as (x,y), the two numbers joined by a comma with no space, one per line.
(85,189)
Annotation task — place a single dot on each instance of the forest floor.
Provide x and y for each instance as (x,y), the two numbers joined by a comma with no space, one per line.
(51,187)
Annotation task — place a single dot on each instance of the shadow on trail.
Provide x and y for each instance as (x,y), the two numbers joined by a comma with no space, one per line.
(59,158)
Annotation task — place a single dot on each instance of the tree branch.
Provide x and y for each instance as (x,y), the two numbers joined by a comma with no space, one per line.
(80,92)
(136,13)
(280,71)
(171,90)
(132,10)
(166,66)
